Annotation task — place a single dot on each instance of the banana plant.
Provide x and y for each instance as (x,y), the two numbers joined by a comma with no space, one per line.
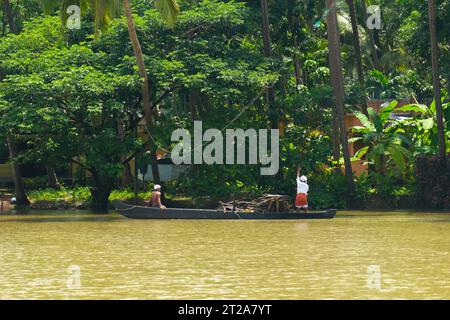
(424,126)
(383,140)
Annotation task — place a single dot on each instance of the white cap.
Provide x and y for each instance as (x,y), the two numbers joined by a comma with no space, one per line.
(303,179)
(156,187)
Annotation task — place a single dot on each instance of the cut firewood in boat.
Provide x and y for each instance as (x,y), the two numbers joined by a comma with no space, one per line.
(265,203)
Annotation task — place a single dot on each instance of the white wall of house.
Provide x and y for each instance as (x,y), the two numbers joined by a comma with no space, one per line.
(5,173)
(167,172)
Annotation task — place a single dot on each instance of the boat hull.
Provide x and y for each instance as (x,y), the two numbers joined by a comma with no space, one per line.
(139,212)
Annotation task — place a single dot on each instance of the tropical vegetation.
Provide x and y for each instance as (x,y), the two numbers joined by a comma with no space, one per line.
(78,97)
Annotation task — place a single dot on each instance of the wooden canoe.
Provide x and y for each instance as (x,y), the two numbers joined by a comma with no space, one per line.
(139,212)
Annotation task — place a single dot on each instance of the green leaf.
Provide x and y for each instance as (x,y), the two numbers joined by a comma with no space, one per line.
(355,139)
(364,120)
(386,111)
(169,11)
(374,116)
(420,108)
(378,150)
(361,152)
(397,156)
(433,106)
(358,129)
(428,124)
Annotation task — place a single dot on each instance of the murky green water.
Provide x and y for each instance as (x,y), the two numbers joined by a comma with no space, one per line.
(62,256)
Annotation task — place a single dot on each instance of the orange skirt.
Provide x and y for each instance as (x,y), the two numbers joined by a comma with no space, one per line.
(301,200)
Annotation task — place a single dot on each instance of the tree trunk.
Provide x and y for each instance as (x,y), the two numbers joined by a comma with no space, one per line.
(126,177)
(100,192)
(143,74)
(357,46)
(154,166)
(265,28)
(270,96)
(336,139)
(140,62)
(4,25)
(436,81)
(10,16)
(21,197)
(298,70)
(337,83)
(292,20)
(193,102)
(52,177)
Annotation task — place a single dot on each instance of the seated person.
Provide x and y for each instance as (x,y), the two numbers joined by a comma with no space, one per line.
(155,200)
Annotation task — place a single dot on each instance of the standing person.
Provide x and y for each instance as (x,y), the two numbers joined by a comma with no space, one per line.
(301,200)
(155,200)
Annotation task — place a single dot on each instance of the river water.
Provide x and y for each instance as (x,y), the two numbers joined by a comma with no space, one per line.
(354,256)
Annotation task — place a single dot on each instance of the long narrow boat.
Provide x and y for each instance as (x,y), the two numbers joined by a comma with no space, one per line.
(139,212)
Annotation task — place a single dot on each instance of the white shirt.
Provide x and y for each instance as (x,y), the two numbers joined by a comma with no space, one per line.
(302,187)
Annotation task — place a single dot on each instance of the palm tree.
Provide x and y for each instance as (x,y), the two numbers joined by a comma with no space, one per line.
(170,9)
(337,83)
(436,81)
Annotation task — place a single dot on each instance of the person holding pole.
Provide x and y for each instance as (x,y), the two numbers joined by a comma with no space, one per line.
(301,200)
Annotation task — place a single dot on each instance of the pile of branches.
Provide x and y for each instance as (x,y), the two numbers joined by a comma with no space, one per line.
(265,203)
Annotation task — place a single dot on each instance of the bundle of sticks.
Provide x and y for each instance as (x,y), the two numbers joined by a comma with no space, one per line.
(265,203)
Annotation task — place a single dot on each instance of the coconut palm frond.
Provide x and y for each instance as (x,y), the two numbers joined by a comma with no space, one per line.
(169,10)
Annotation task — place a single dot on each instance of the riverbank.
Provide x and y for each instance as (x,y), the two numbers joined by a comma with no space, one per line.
(80,199)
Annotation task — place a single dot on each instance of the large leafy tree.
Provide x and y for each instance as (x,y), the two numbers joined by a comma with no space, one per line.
(68,100)
(19,192)
(104,11)
(65,105)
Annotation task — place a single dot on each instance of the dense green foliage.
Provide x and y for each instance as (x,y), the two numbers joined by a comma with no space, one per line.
(69,97)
